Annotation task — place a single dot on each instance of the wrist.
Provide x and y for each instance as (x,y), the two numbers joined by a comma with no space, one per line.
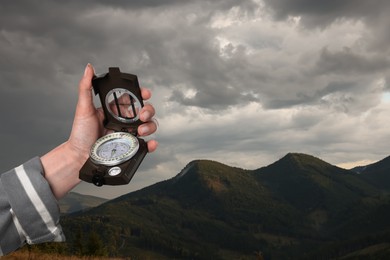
(77,156)
(61,166)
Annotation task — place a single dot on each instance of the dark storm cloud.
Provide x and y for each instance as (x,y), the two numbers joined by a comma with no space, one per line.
(323,13)
(219,100)
(347,61)
(219,82)
(212,5)
(387,83)
(314,14)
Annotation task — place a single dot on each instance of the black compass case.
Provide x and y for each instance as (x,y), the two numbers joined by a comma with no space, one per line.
(105,86)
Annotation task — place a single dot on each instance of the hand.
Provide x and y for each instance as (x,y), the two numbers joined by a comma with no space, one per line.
(62,164)
(88,121)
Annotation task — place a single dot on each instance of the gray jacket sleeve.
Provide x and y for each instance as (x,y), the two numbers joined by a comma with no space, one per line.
(29,212)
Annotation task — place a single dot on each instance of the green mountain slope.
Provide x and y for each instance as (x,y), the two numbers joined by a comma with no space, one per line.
(327,195)
(297,207)
(378,173)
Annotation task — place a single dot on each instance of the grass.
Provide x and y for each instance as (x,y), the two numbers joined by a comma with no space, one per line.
(41,256)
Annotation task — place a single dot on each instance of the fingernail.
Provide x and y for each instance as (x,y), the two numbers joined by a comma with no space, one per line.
(145,116)
(86,69)
(144,130)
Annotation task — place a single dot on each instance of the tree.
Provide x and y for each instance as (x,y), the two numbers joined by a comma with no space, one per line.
(78,247)
(95,246)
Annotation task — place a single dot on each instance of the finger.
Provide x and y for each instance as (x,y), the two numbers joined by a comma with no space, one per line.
(147,128)
(152,145)
(85,100)
(147,112)
(146,93)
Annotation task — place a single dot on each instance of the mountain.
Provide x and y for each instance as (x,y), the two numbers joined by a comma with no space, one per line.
(299,207)
(73,202)
(377,173)
(308,182)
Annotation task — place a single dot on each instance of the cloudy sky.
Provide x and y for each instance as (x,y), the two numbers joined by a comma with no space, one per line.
(241,82)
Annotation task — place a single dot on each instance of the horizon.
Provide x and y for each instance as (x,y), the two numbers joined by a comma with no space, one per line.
(94,193)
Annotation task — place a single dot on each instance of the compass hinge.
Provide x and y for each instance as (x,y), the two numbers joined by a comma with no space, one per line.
(132,131)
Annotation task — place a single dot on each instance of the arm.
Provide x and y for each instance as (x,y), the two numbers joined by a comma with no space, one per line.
(28,194)
(28,210)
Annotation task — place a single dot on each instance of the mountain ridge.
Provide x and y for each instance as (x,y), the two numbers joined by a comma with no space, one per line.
(377,174)
(210,210)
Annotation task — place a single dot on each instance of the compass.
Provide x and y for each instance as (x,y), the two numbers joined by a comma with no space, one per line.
(115,157)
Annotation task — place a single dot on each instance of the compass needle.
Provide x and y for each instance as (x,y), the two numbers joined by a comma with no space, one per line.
(114,148)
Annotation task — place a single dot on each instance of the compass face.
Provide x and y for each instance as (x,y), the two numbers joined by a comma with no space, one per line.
(123,105)
(113,149)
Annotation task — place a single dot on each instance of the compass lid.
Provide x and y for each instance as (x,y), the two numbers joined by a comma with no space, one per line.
(121,100)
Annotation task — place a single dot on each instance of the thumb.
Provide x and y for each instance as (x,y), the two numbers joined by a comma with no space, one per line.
(85,101)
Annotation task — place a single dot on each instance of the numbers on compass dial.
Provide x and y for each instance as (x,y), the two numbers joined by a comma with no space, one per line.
(114,148)
(123,105)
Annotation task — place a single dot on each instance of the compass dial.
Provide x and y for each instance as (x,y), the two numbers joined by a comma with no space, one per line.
(115,148)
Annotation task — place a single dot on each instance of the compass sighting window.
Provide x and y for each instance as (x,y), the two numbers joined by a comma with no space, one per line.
(123,105)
